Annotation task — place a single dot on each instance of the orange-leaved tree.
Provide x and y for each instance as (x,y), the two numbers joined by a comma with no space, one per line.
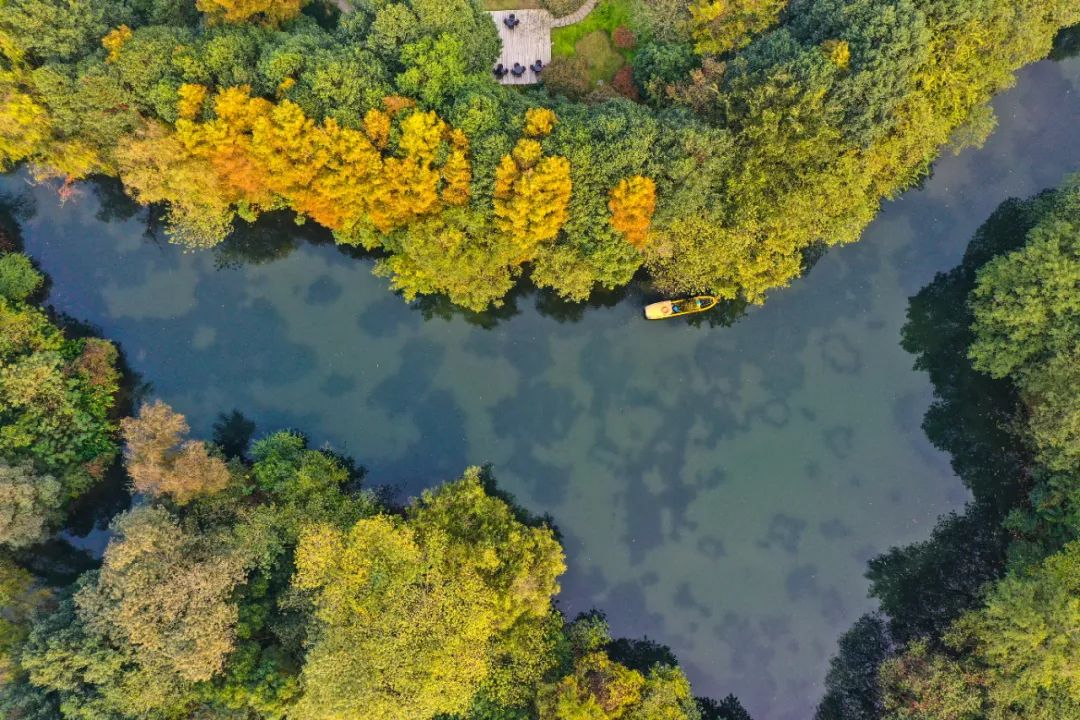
(254,155)
(632,203)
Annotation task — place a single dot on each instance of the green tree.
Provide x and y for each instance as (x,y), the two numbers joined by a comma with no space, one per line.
(166,594)
(396,637)
(63,30)
(20,598)
(18,278)
(90,678)
(56,395)
(1025,639)
(921,685)
(1025,303)
(29,504)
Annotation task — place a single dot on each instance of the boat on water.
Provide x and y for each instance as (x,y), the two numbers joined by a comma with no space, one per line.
(674,308)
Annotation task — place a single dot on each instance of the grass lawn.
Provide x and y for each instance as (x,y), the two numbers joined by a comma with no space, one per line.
(590,39)
(603,59)
(606,16)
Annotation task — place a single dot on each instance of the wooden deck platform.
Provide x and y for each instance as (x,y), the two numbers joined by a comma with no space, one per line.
(528,42)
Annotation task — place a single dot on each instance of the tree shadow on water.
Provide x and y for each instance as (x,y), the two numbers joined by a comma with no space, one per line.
(1066,44)
(440,307)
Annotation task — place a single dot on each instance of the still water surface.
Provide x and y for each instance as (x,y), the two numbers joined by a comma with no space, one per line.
(719,489)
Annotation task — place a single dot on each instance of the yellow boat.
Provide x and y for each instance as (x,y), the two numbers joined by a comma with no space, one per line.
(674,308)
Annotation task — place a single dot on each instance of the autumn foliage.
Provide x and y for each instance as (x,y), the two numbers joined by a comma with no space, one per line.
(161,461)
(115,40)
(255,155)
(775,125)
(268,12)
(539,122)
(531,196)
(719,26)
(632,203)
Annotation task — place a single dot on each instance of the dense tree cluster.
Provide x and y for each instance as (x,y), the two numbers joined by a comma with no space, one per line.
(289,591)
(981,620)
(764,128)
(57,394)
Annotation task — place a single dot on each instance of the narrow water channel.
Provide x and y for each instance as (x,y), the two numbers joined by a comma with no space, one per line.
(719,489)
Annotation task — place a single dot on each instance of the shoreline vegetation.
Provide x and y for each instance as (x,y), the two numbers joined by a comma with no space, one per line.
(979,621)
(740,139)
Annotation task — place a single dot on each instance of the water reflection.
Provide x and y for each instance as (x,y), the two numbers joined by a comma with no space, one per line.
(719,490)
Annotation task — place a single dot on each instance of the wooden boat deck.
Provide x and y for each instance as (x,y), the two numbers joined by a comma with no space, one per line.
(528,42)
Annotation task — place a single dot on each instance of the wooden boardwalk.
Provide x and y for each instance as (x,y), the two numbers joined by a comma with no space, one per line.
(525,44)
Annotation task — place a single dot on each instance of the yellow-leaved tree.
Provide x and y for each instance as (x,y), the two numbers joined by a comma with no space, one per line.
(115,40)
(157,167)
(410,614)
(720,26)
(191,102)
(409,186)
(24,124)
(532,193)
(539,122)
(266,12)
(253,155)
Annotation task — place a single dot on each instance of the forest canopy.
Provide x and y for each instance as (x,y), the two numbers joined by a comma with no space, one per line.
(748,133)
(272,584)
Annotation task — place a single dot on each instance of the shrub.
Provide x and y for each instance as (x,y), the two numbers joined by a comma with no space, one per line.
(658,65)
(568,77)
(18,278)
(623,82)
(623,37)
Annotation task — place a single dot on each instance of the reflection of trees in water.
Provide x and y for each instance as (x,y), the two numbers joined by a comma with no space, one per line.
(439,307)
(55,561)
(114,205)
(15,209)
(726,314)
(232,433)
(549,305)
(924,587)
(1066,44)
(276,235)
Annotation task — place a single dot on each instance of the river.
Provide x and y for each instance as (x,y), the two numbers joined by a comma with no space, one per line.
(719,489)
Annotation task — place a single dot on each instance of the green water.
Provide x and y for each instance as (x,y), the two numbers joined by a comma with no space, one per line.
(719,489)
